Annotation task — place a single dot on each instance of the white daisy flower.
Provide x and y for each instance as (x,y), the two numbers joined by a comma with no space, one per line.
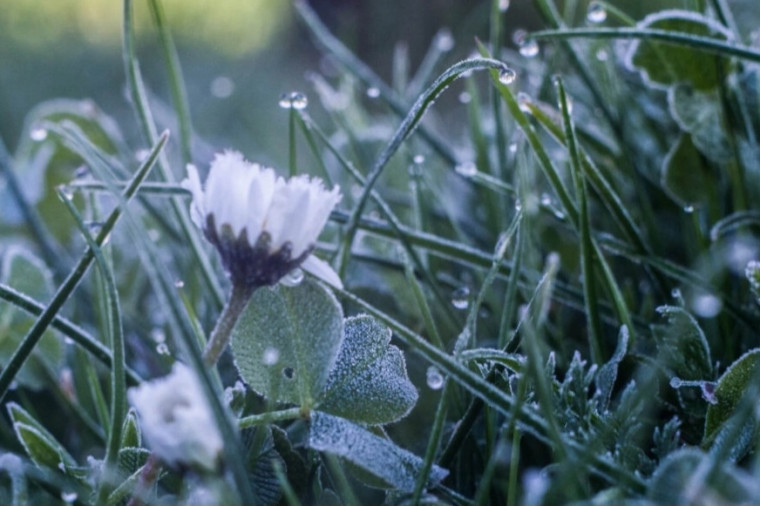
(263,225)
(176,420)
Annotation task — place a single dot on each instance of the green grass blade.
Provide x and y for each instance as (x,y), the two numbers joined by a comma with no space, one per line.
(586,247)
(696,42)
(116,334)
(141,106)
(35,333)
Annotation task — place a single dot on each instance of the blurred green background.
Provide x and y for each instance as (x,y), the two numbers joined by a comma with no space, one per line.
(238,56)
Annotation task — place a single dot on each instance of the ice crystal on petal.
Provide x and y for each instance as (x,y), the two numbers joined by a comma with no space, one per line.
(176,420)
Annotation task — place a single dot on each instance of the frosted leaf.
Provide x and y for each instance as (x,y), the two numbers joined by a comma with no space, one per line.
(605,378)
(369,383)
(683,346)
(378,456)
(305,324)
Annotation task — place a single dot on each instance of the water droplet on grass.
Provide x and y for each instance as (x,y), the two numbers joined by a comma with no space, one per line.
(466,169)
(163,349)
(179,284)
(706,305)
(465,97)
(373,92)
(460,298)
(444,41)
(596,13)
(503,5)
(507,76)
(69,497)
(38,134)
(675,382)
(434,378)
(293,100)
(688,209)
(419,159)
(529,48)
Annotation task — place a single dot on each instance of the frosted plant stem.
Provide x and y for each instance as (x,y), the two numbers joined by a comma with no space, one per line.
(220,336)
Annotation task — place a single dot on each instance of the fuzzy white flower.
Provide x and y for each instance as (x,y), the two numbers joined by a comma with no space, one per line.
(176,420)
(263,225)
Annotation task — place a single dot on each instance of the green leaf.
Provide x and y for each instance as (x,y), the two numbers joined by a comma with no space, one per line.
(729,392)
(41,446)
(662,64)
(683,347)
(605,378)
(369,383)
(131,459)
(130,432)
(287,340)
(380,457)
(701,114)
(685,176)
(674,481)
(23,271)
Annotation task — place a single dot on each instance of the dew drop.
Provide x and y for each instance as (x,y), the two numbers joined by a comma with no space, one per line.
(519,36)
(179,284)
(293,100)
(512,148)
(602,55)
(158,335)
(434,378)
(69,497)
(38,134)
(465,97)
(444,41)
(503,5)
(163,349)
(419,159)
(373,92)
(676,293)
(706,305)
(675,382)
(293,278)
(222,87)
(141,155)
(466,169)
(507,76)
(271,356)
(529,48)
(546,199)
(518,205)
(460,298)
(596,12)
(524,101)
(68,341)
(66,192)
(688,209)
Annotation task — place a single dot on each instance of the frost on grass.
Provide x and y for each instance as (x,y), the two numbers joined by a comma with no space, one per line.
(300,326)
(395,466)
(369,383)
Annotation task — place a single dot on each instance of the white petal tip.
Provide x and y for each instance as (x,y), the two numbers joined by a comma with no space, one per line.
(322,270)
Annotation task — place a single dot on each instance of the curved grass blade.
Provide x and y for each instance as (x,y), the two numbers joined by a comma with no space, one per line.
(118,377)
(699,43)
(64,291)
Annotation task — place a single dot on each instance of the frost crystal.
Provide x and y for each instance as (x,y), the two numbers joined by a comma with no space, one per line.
(263,225)
(176,420)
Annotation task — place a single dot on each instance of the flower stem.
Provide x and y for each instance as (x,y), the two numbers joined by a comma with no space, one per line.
(220,336)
